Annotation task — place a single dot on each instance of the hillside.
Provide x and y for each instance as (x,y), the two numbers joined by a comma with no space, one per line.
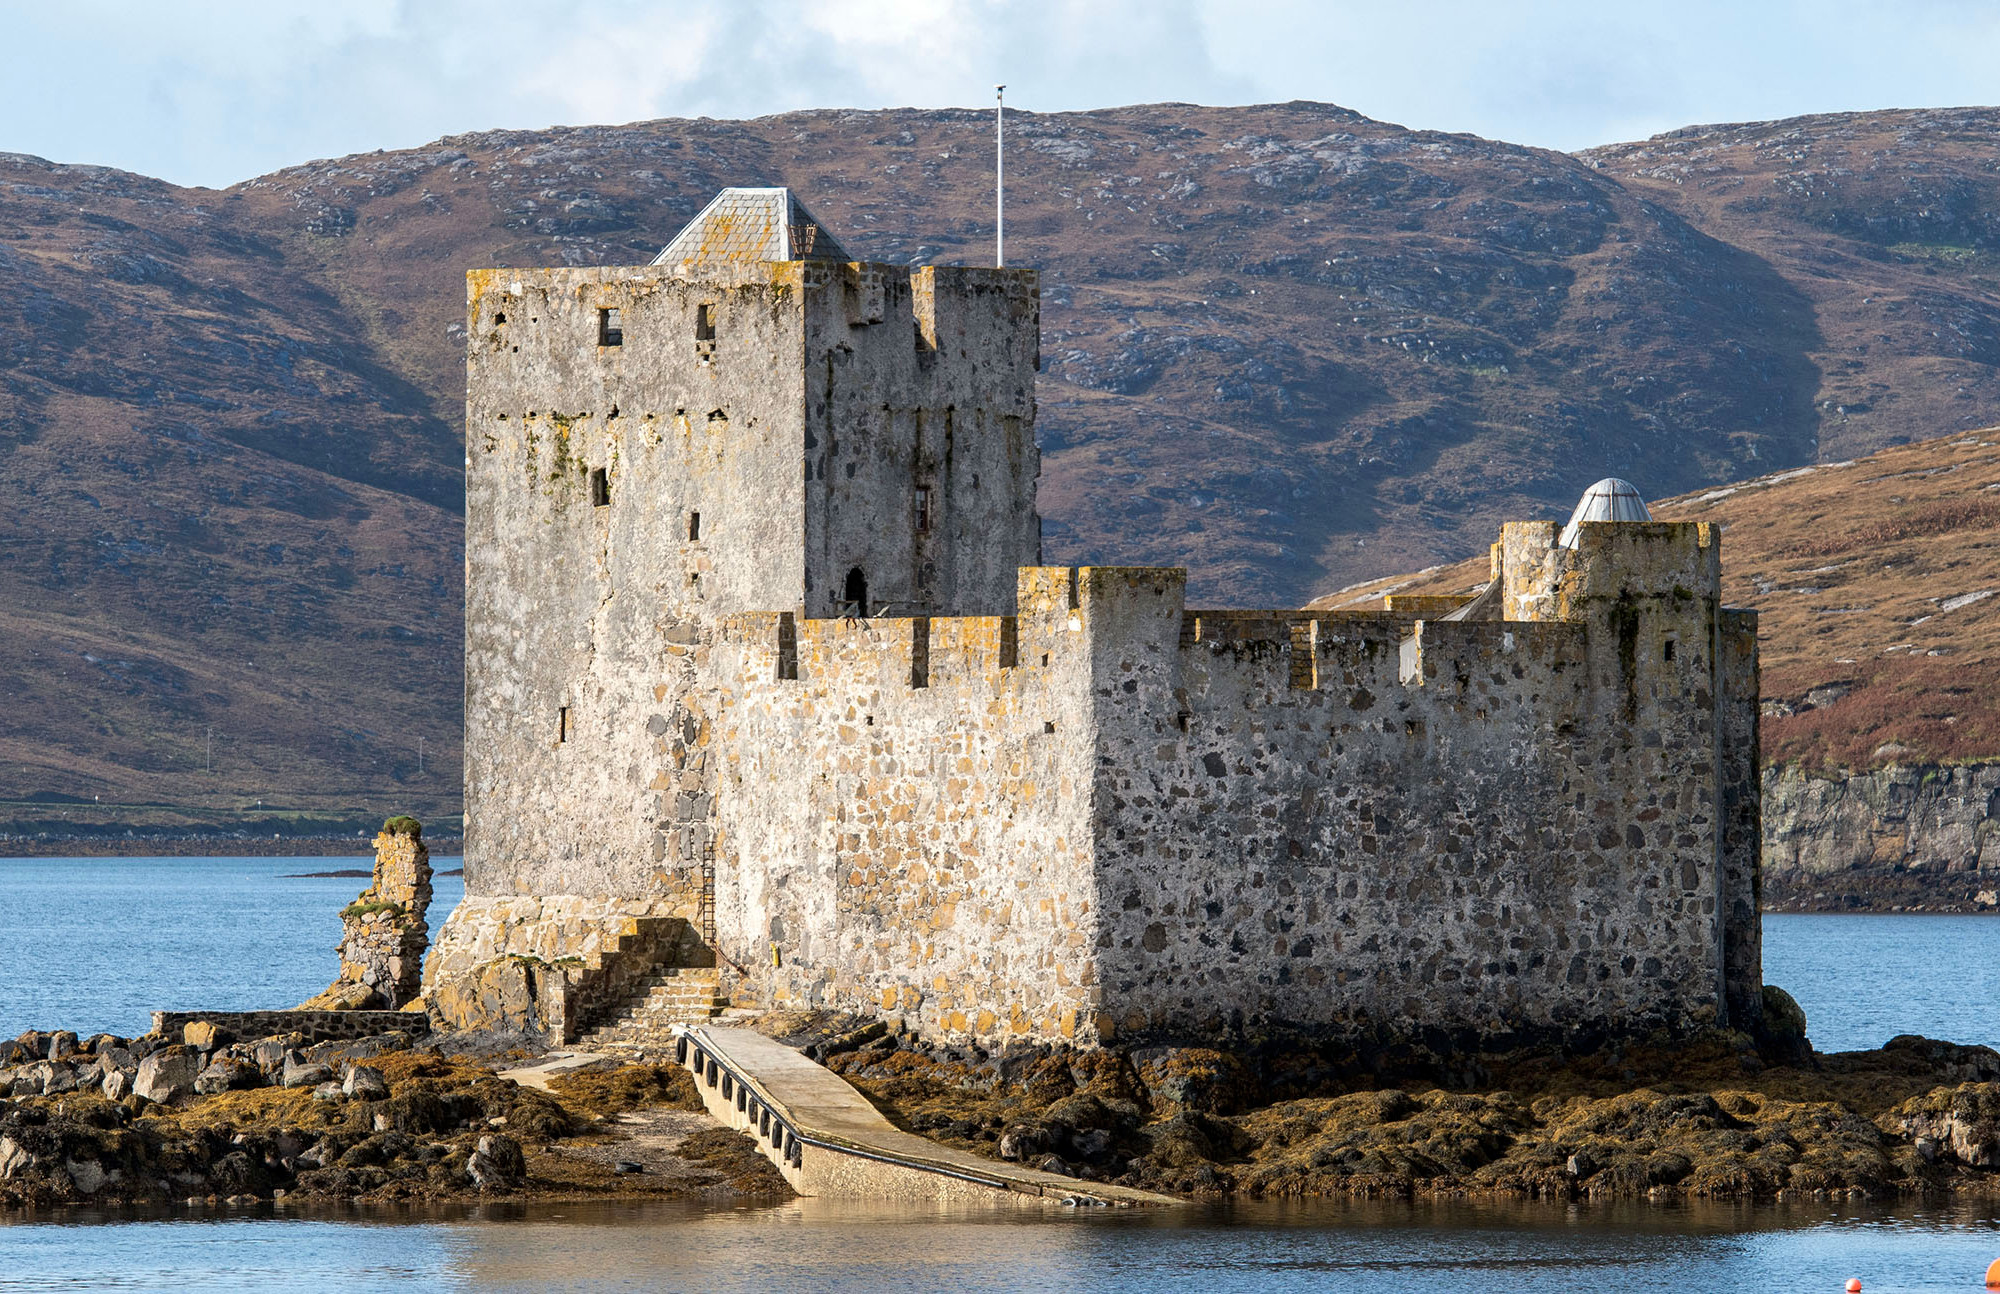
(1875,583)
(1285,346)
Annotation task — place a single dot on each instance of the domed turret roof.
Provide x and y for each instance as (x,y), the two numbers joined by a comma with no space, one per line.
(1609,500)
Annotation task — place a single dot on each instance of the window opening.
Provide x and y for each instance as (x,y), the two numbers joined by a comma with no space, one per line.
(704,322)
(562,725)
(600,488)
(610,327)
(1667,649)
(920,651)
(694,526)
(923,502)
(1010,642)
(855,593)
(788,647)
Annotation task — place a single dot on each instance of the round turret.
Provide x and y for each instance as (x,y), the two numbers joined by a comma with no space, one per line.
(1609,500)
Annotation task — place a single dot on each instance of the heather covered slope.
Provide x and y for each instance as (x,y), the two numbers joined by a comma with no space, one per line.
(1877,583)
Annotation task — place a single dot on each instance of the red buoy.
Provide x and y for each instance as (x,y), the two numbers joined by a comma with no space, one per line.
(1993,1275)
(1853,1285)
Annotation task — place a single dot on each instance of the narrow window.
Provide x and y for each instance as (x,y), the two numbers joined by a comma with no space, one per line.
(704,322)
(923,509)
(562,725)
(788,647)
(694,526)
(855,594)
(600,488)
(920,651)
(610,328)
(1667,650)
(1010,642)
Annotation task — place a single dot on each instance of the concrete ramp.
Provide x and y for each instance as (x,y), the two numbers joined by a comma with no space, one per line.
(829,1141)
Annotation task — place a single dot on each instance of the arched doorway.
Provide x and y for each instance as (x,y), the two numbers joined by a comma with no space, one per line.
(855,594)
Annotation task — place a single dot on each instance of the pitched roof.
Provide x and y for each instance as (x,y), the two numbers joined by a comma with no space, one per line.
(752,225)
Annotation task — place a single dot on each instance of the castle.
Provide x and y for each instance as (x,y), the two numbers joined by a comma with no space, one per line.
(770,703)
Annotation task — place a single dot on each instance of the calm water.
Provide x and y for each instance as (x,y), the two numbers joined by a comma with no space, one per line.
(808,1245)
(99,944)
(95,944)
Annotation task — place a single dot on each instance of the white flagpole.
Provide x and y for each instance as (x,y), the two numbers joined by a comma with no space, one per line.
(999,175)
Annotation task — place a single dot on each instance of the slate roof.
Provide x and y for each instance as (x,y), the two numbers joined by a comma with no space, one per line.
(752,225)
(1609,500)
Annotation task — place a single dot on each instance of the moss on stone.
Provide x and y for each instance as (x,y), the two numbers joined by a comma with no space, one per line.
(404,825)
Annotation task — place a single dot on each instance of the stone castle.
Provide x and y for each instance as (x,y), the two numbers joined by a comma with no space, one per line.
(771,703)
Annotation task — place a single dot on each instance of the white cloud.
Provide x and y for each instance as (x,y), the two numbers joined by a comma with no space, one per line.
(215,92)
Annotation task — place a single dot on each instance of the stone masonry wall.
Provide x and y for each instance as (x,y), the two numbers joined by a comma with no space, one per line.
(384,932)
(905,830)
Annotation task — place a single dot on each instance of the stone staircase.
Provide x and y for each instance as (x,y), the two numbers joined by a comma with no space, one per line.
(644,1022)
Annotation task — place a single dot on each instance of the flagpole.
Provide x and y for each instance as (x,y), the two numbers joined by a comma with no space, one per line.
(999,175)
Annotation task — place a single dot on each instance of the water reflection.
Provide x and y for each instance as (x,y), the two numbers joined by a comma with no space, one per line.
(821,1245)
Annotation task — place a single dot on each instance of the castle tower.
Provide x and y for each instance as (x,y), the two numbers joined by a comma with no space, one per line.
(754,422)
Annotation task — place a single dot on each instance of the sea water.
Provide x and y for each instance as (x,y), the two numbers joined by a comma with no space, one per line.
(90,944)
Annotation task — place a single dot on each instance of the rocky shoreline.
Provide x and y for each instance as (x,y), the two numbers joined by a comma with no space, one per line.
(111,1122)
(208,1121)
(1907,838)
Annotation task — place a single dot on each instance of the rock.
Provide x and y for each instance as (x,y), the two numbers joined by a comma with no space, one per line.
(57,1077)
(226,1074)
(1091,1143)
(497,1163)
(87,1174)
(298,1073)
(1022,1142)
(61,1043)
(14,1158)
(12,1053)
(1580,1165)
(365,1083)
(167,1075)
(628,1166)
(116,1085)
(99,1043)
(269,1056)
(205,1035)
(327,1092)
(1054,1164)
(34,1044)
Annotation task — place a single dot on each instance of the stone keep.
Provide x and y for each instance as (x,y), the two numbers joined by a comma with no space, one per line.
(761,662)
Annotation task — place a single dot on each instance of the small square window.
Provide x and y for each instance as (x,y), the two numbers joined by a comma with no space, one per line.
(923,510)
(600,488)
(704,322)
(610,327)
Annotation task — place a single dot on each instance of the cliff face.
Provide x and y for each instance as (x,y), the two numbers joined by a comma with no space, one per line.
(1922,837)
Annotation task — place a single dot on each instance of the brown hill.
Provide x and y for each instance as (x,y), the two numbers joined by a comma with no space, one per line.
(1877,581)
(1284,346)
(1888,223)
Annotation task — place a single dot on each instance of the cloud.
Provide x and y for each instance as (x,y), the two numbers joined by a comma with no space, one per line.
(216,92)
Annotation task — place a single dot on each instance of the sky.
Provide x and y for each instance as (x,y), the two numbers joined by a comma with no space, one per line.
(215,91)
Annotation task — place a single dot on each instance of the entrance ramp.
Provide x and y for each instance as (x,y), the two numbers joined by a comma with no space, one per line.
(827,1139)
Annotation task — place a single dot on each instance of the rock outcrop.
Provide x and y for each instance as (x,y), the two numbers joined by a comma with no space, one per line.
(1917,837)
(385,931)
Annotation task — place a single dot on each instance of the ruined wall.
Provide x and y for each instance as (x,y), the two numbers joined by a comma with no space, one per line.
(904,827)
(921,379)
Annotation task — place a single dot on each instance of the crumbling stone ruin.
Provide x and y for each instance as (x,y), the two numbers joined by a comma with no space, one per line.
(760,649)
(384,932)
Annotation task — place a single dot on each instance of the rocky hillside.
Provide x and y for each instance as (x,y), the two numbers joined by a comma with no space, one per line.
(1286,346)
